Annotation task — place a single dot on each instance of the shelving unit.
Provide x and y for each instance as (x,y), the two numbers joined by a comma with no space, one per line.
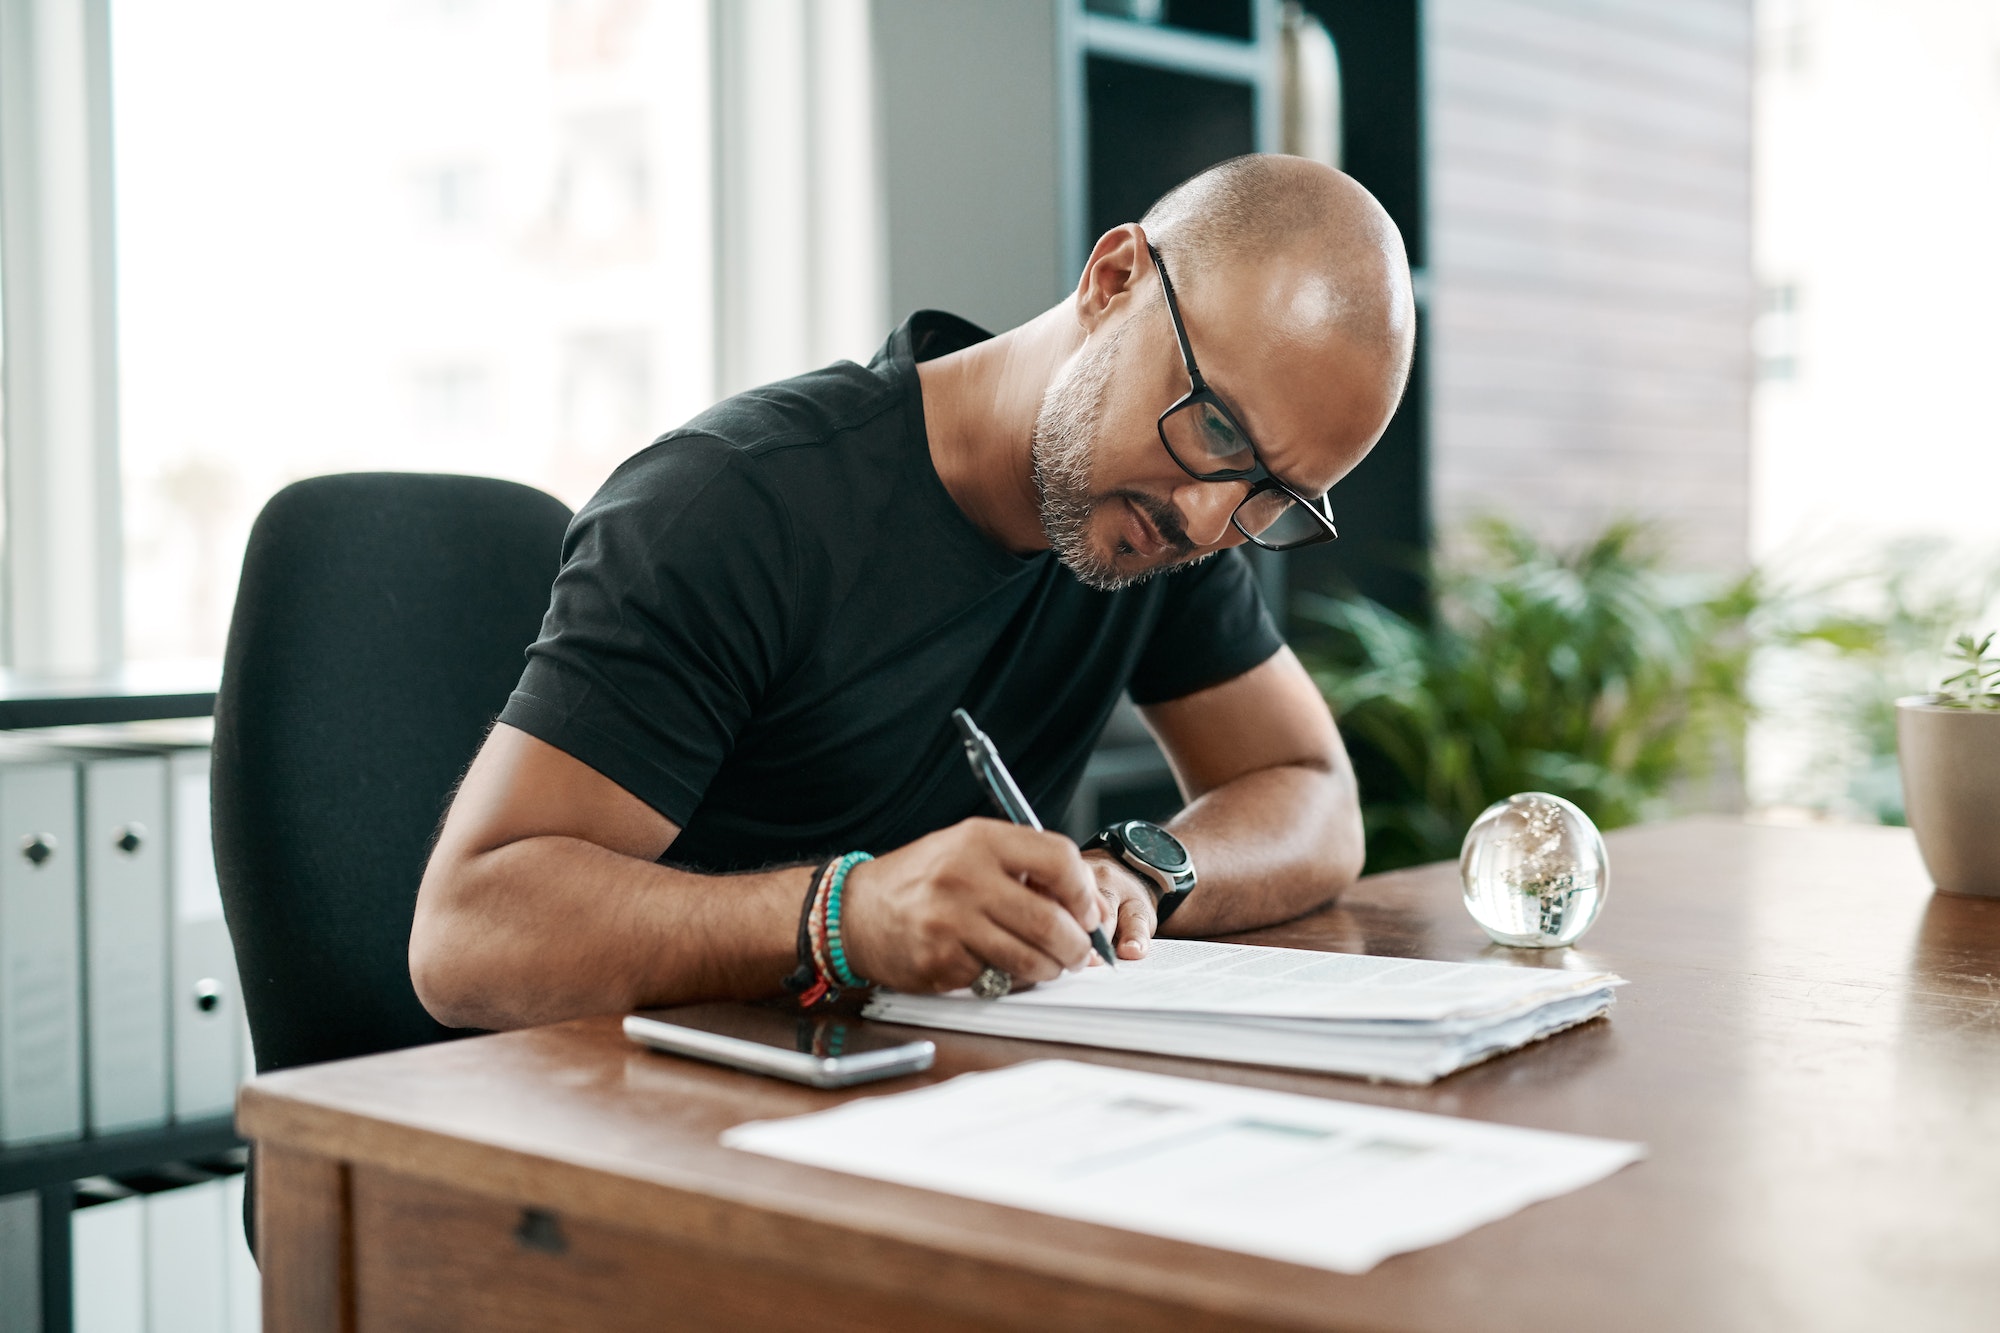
(138,694)
(50,1170)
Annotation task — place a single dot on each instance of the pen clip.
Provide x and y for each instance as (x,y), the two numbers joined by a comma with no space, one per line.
(969,732)
(993,774)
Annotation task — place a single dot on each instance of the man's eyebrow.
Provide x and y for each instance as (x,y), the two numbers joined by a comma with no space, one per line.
(1236,415)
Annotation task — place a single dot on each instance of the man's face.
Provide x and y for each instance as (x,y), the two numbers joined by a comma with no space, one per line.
(1115,506)
(1098,535)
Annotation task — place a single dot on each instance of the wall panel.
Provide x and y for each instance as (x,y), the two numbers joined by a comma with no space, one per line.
(1591,289)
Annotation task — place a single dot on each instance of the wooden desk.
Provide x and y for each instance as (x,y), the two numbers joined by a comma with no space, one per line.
(1810,1046)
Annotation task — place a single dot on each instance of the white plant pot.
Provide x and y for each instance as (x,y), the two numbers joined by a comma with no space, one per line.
(1950,760)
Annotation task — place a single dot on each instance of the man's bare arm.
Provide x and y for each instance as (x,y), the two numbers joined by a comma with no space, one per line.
(1273,820)
(543,901)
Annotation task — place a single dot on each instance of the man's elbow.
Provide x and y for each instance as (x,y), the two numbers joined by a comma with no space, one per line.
(1348,861)
(1347,844)
(439,953)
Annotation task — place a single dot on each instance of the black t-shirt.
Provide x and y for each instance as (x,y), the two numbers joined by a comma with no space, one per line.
(764,620)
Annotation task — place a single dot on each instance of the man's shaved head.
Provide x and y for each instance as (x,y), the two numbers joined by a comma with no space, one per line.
(1255,208)
(1294,289)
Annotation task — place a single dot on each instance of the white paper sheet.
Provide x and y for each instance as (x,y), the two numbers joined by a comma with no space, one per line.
(1311,1181)
(1200,976)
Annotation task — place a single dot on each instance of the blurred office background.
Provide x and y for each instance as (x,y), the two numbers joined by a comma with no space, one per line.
(1719,265)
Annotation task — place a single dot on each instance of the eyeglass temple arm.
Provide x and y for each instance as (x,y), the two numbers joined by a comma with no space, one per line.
(1174,309)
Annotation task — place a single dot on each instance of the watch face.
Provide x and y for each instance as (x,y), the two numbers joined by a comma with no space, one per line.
(1154,845)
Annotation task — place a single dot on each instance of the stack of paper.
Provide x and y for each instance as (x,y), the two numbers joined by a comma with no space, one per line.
(1400,1020)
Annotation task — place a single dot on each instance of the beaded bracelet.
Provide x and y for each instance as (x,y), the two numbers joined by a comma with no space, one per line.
(843,974)
(809,980)
(823,971)
(822,958)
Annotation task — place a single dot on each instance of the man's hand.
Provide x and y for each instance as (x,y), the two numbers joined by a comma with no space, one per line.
(1128,899)
(931,915)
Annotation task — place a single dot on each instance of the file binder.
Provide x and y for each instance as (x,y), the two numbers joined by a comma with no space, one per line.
(186,1286)
(108,1261)
(126,915)
(41,983)
(207,1004)
(246,1286)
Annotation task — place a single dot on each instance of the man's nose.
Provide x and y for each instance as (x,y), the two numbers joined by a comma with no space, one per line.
(1205,509)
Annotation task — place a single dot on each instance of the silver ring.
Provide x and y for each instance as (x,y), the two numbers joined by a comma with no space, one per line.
(991,983)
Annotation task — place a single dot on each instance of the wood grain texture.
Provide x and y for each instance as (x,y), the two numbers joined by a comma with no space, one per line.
(1589,194)
(1810,1048)
(433,1258)
(304,1241)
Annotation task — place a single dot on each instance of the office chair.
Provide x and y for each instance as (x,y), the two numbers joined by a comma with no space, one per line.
(379,626)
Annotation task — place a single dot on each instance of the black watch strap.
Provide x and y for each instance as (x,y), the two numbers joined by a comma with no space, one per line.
(1156,855)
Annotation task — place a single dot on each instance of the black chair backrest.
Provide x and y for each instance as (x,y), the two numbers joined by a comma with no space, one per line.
(379,627)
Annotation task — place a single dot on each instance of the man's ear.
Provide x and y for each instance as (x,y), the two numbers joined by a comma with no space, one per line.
(1117,266)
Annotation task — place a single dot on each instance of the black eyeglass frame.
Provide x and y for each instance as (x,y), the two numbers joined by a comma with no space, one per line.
(1259,477)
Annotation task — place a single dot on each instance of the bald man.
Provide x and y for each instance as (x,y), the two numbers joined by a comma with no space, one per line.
(763,623)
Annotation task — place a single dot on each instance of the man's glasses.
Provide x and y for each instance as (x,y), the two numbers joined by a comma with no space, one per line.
(1204,438)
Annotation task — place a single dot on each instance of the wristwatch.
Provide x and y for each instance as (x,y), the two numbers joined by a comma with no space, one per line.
(1156,854)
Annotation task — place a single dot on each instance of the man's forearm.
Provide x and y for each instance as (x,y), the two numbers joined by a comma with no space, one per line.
(548,928)
(1269,845)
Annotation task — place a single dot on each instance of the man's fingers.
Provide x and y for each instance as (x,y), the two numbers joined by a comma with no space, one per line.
(1048,861)
(959,972)
(1135,927)
(1002,948)
(1030,916)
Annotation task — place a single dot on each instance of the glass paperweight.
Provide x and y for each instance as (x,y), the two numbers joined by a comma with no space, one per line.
(1535,871)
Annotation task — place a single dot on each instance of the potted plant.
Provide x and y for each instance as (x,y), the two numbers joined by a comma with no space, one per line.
(1949,747)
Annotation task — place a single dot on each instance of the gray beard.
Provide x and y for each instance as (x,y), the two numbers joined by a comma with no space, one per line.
(1065,430)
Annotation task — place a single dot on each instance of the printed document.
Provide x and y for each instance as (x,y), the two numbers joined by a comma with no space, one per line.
(1305,1180)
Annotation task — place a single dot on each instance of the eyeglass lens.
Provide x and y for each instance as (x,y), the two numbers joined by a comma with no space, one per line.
(1275,519)
(1207,443)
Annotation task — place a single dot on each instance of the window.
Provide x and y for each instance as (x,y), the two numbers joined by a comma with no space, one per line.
(1877,205)
(439,235)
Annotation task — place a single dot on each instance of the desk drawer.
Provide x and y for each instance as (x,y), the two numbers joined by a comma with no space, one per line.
(429,1257)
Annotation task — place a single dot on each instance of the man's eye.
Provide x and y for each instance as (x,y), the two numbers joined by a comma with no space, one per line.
(1221,434)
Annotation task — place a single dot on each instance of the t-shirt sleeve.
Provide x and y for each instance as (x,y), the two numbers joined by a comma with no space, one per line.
(1212,627)
(667,623)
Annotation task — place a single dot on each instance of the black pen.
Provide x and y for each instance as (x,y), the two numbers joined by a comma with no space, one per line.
(1007,798)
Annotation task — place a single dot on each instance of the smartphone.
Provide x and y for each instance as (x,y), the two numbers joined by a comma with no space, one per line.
(826,1052)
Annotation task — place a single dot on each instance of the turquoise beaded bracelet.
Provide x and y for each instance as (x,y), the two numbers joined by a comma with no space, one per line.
(842,973)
